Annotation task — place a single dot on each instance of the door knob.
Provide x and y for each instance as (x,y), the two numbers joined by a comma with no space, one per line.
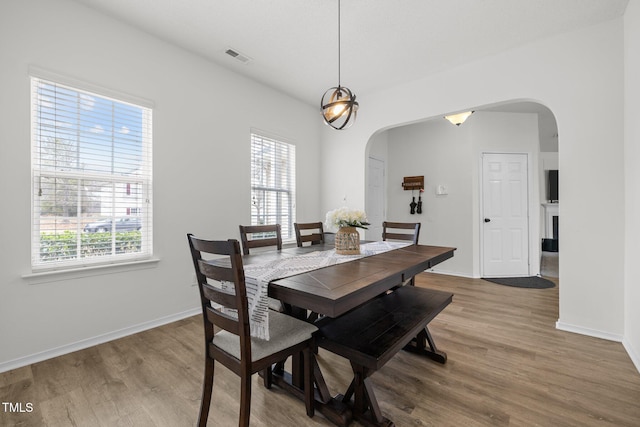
(487,220)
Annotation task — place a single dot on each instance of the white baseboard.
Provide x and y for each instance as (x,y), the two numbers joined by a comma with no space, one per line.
(589,332)
(450,273)
(633,354)
(90,342)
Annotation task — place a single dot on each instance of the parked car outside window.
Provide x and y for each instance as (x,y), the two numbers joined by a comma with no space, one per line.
(122,224)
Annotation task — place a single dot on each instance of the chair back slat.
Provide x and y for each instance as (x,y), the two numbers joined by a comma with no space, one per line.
(223,320)
(216,272)
(247,233)
(397,236)
(219,247)
(315,237)
(403,225)
(220,297)
(413,236)
(258,243)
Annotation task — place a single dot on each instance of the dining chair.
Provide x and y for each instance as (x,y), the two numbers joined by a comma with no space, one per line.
(233,345)
(398,231)
(315,237)
(257,236)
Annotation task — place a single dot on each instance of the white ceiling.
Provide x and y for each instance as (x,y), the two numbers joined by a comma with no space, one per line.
(293,44)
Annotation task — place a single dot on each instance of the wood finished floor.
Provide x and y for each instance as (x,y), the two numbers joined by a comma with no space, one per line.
(507,366)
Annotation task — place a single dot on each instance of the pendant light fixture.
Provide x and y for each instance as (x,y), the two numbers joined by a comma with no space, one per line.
(338,104)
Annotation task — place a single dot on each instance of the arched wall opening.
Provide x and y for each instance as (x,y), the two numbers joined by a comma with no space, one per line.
(449,158)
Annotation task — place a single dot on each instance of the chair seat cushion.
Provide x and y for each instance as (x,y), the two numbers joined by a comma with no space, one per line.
(274,304)
(284,332)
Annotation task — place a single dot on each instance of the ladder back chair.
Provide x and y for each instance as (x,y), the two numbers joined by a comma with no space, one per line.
(315,237)
(400,231)
(272,232)
(391,231)
(273,238)
(233,345)
(302,233)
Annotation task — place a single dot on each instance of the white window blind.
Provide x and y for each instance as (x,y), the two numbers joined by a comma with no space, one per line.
(92,178)
(273,171)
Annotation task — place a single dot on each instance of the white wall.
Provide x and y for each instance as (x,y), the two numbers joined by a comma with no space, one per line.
(549,160)
(579,77)
(377,149)
(448,155)
(441,153)
(632,177)
(202,119)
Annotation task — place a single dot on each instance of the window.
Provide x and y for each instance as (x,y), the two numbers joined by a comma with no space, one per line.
(91,169)
(273,171)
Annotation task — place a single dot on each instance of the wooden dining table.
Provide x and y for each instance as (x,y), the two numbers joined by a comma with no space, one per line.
(335,290)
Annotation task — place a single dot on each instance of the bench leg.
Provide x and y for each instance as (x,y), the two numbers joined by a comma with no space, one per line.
(371,399)
(435,354)
(419,346)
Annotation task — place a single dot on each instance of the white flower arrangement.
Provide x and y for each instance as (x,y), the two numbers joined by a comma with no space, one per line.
(346,217)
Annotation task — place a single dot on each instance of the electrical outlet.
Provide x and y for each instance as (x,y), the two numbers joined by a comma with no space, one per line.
(194,280)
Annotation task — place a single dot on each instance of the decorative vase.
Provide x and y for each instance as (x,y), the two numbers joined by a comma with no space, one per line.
(348,241)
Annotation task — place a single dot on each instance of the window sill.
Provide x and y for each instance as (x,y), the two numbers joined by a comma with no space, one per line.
(89,271)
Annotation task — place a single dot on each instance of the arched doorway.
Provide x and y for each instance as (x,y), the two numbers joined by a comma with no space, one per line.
(448,157)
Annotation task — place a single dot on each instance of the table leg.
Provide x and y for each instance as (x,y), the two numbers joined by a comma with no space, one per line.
(322,391)
(332,408)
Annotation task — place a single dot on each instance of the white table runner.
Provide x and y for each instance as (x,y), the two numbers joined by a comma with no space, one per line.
(258,276)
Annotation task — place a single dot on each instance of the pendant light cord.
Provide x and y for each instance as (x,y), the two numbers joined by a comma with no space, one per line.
(338,104)
(339,43)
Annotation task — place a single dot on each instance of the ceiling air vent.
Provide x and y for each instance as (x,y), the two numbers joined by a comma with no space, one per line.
(238,56)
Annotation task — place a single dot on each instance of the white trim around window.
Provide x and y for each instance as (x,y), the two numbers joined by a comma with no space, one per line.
(91,176)
(273,182)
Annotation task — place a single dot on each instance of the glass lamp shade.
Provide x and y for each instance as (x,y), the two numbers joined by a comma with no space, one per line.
(458,119)
(339,107)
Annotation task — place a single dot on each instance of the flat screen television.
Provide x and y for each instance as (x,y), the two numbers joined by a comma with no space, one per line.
(552,186)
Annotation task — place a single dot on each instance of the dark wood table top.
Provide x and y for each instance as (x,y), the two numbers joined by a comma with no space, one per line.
(334,290)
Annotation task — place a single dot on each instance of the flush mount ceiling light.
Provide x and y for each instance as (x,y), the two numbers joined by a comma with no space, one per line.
(458,119)
(338,104)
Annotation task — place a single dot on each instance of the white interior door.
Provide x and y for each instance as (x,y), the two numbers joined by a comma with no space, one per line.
(505,208)
(375,199)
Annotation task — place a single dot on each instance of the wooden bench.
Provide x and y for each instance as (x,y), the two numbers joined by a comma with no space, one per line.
(371,334)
